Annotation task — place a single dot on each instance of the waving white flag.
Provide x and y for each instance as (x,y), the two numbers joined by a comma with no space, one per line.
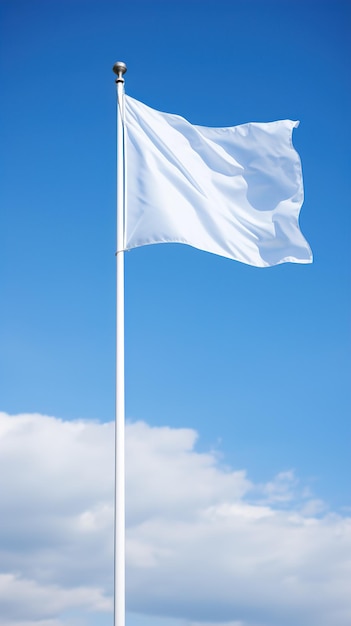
(236,191)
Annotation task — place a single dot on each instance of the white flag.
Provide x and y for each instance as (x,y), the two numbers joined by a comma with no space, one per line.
(235,191)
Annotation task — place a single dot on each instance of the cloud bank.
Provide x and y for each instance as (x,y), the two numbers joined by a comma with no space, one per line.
(205,546)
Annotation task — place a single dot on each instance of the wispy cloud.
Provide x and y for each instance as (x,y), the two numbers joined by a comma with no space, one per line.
(205,545)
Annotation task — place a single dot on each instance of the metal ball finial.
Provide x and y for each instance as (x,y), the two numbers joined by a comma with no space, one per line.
(119,68)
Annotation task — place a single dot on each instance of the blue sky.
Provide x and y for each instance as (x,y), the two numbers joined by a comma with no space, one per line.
(257,362)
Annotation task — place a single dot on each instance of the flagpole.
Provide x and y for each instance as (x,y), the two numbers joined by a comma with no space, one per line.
(119,68)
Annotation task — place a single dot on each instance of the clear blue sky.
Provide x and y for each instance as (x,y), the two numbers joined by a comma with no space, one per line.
(256,361)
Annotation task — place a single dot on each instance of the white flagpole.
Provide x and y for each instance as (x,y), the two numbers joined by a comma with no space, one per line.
(119,529)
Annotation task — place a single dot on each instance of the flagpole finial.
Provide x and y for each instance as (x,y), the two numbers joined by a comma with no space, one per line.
(119,68)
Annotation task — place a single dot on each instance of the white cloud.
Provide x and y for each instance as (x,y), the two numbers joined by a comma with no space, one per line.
(281,488)
(215,624)
(205,546)
(50,622)
(42,601)
(167,477)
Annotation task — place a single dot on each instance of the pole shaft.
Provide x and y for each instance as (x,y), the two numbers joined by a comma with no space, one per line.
(119,539)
